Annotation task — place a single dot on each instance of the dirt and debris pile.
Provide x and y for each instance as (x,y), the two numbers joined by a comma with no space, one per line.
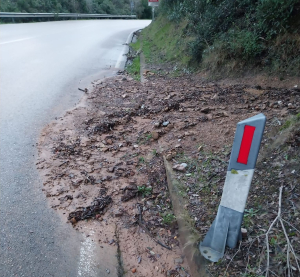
(98,205)
(114,143)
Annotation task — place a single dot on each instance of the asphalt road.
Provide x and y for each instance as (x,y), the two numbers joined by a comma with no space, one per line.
(41,67)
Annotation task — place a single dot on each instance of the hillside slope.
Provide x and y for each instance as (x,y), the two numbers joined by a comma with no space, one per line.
(229,37)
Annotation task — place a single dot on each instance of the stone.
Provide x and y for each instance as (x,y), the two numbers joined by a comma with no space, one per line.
(284,112)
(133,270)
(209,116)
(156,124)
(169,157)
(155,135)
(98,216)
(109,141)
(111,169)
(73,220)
(118,213)
(180,167)
(166,123)
(178,261)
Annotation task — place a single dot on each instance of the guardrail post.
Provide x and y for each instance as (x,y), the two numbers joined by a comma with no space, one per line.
(226,228)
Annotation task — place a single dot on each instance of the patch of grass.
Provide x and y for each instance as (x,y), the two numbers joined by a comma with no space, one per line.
(141,160)
(249,217)
(168,218)
(144,138)
(165,42)
(286,125)
(250,212)
(144,191)
(134,69)
(136,46)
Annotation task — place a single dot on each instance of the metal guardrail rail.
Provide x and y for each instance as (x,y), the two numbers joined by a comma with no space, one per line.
(61,15)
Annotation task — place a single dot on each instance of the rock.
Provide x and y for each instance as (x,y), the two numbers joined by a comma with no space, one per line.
(156,124)
(133,270)
(284,112)
(169,157)
(111,242)
(118,213)
(108,271)
(155,135)
(180,167)
(209,116)
(178,261)
(109,141)
(165,123)
(206,110)
(111,169)
(73,220)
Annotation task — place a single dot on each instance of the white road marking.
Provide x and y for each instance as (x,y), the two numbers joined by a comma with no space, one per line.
(86,267)
(16,40)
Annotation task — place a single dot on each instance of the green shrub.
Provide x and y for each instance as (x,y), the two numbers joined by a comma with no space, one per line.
(246,30)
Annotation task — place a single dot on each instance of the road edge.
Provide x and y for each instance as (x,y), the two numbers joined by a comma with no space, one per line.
(121,62)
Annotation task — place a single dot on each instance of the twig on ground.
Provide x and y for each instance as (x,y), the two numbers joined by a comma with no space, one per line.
(290,248)
(271,226)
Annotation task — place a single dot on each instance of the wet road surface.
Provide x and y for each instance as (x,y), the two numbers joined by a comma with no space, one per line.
(41,67)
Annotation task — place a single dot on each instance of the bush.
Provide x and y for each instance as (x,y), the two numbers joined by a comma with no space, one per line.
(273,16)
(245,29)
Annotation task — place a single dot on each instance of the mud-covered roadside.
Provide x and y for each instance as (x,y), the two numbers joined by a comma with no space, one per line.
(103,169)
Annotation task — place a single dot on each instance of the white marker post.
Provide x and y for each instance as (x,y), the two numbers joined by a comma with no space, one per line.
(226,228)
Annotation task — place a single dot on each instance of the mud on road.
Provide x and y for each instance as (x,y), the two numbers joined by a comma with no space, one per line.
(102,162)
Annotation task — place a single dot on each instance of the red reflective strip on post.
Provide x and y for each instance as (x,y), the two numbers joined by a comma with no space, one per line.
(246,144)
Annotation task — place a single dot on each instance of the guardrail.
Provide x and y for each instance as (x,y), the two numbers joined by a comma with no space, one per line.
(61,15)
